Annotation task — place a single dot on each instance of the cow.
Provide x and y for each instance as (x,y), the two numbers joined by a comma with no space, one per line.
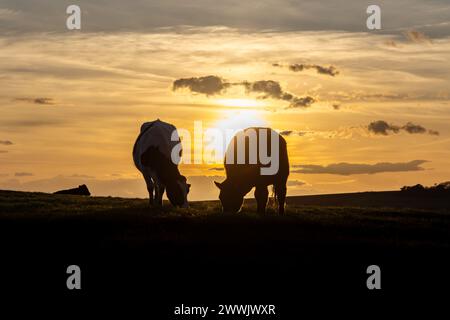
(242,176)
(152,155)
(80,191)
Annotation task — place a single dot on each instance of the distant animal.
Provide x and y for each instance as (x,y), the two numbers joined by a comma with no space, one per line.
(80,191)
(242,177)
(152,155)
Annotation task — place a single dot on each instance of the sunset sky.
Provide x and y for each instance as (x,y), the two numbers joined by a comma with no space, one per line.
(360,110)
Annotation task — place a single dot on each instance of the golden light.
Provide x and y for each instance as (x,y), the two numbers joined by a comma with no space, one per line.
(231,121)
(244,103)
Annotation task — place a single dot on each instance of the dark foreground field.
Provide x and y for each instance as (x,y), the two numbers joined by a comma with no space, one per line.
(320,248)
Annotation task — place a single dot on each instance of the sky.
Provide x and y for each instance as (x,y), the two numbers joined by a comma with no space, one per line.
(361,110)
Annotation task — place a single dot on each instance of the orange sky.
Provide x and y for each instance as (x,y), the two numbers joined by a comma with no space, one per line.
(72,104)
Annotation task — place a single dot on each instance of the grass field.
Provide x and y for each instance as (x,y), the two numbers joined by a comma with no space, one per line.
(316,242)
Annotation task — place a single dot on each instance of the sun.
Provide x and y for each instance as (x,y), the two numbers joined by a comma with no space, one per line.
(228,124)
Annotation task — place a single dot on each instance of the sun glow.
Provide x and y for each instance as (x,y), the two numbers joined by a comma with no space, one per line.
(231,121)
(244,103)
(239,120)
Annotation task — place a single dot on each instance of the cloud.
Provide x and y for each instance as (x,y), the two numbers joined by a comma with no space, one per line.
(216,169)
(85,176)
(47,101)
(414,128)
(279,15)
(296,183)
(272,89)
(23,174)
(381,127)
(417,36)
(3,151)
(433,132)
(289,133)
(209,85)
(336,106)
(302,102)
(346,169)
(5,142)
(331,70)
(286,133)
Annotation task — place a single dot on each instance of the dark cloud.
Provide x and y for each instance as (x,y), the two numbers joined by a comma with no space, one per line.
(303,102)
(383,128)
(336,106)
(346,169)
(331,70)
(23,174)
(272,89)
(414,128)
(3,151)
(47,101)
(433,132)
(209,85)
(6,142)
(286,133)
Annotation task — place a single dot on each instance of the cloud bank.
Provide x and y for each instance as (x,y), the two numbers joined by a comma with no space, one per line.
(347,169)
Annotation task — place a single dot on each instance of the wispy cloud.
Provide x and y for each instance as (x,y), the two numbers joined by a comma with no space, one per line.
(23,174)
(347,169)
(298,67)
(42,100)
(417,36)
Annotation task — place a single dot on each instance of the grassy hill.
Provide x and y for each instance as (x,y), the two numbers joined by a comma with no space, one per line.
(322,240)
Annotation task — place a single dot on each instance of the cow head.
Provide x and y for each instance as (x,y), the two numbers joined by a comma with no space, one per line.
(177,192)
(230,197)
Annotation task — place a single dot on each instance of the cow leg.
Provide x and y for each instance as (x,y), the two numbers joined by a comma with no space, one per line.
(261,196)
(161,190)
(150,187)
(280,191)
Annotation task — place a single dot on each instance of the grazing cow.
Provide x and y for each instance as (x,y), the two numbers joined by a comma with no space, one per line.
(80,191)
(242,176)
(152,154)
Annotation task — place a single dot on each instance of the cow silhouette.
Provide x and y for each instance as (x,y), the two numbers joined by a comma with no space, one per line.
(80,191)
(152,155)
(242,177)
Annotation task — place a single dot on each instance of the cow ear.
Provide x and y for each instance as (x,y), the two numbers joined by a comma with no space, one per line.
(218,184)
